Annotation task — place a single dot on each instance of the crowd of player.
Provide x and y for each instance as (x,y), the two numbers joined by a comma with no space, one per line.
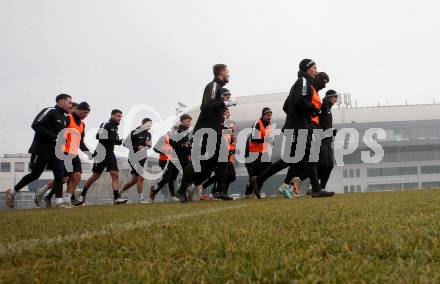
(204,155)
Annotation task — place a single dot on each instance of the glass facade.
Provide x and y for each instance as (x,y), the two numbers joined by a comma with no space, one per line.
(429,170)
(19,167)
(431,184)
(412,134)
(5,167)
(391,186)
(399,171)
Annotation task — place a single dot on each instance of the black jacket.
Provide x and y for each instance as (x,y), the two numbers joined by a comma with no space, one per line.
(113,137)
(82,146)
(138,138)
(212,107)
(181,145)
(326,117)
(298,105)
(47,124)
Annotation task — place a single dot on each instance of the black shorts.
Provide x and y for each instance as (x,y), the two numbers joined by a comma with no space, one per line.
(40,162)
(110,163)
(76,166)
(139,167)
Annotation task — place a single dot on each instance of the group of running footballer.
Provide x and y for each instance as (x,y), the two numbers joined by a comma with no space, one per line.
(204,155)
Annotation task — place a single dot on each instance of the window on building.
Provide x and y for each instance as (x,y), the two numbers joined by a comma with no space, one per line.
(5,167)
(431,184)
(430,170)
(358,173)
(344,174)
(392,186)
(358,188)
(402,171)
(19,167)
(351,173)
(352,188)
(411,185)
(345,188)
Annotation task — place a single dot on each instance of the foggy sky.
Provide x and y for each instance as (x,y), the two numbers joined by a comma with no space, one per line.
(116,54)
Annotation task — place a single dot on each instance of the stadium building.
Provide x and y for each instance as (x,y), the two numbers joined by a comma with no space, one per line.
(411,147)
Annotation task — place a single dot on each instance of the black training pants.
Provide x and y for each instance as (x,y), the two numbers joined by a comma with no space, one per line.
(39,162)
(169,177)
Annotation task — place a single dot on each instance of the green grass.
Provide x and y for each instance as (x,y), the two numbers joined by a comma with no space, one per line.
(365,237)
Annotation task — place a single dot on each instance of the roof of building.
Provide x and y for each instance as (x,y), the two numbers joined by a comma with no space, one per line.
(249,108)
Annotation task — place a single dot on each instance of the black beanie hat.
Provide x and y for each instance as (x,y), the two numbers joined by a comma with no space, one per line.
(84,106)
(265,110)
(305,64)
(331,93)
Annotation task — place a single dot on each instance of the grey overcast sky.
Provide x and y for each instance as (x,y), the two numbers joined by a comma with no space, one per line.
(116,54)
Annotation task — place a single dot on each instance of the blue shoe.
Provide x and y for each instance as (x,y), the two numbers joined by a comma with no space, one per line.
(284,189)
(289,192)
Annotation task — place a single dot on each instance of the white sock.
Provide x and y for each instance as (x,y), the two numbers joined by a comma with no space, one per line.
(59,200)
(13,192)
(141,196)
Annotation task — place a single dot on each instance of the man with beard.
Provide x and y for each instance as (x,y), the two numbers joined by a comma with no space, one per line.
(47,126)
(75,132)
(210,119)
(108,137)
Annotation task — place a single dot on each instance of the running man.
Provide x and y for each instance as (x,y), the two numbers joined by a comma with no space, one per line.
(108,137)
(326,154)
(258,145)
(181,144)
(138,142)
(310,168)
(47,125)
(164,149)
(75,132)
(210,118)
(229,136)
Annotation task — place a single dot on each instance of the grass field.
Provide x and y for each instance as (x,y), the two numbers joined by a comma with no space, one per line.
(363,237)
